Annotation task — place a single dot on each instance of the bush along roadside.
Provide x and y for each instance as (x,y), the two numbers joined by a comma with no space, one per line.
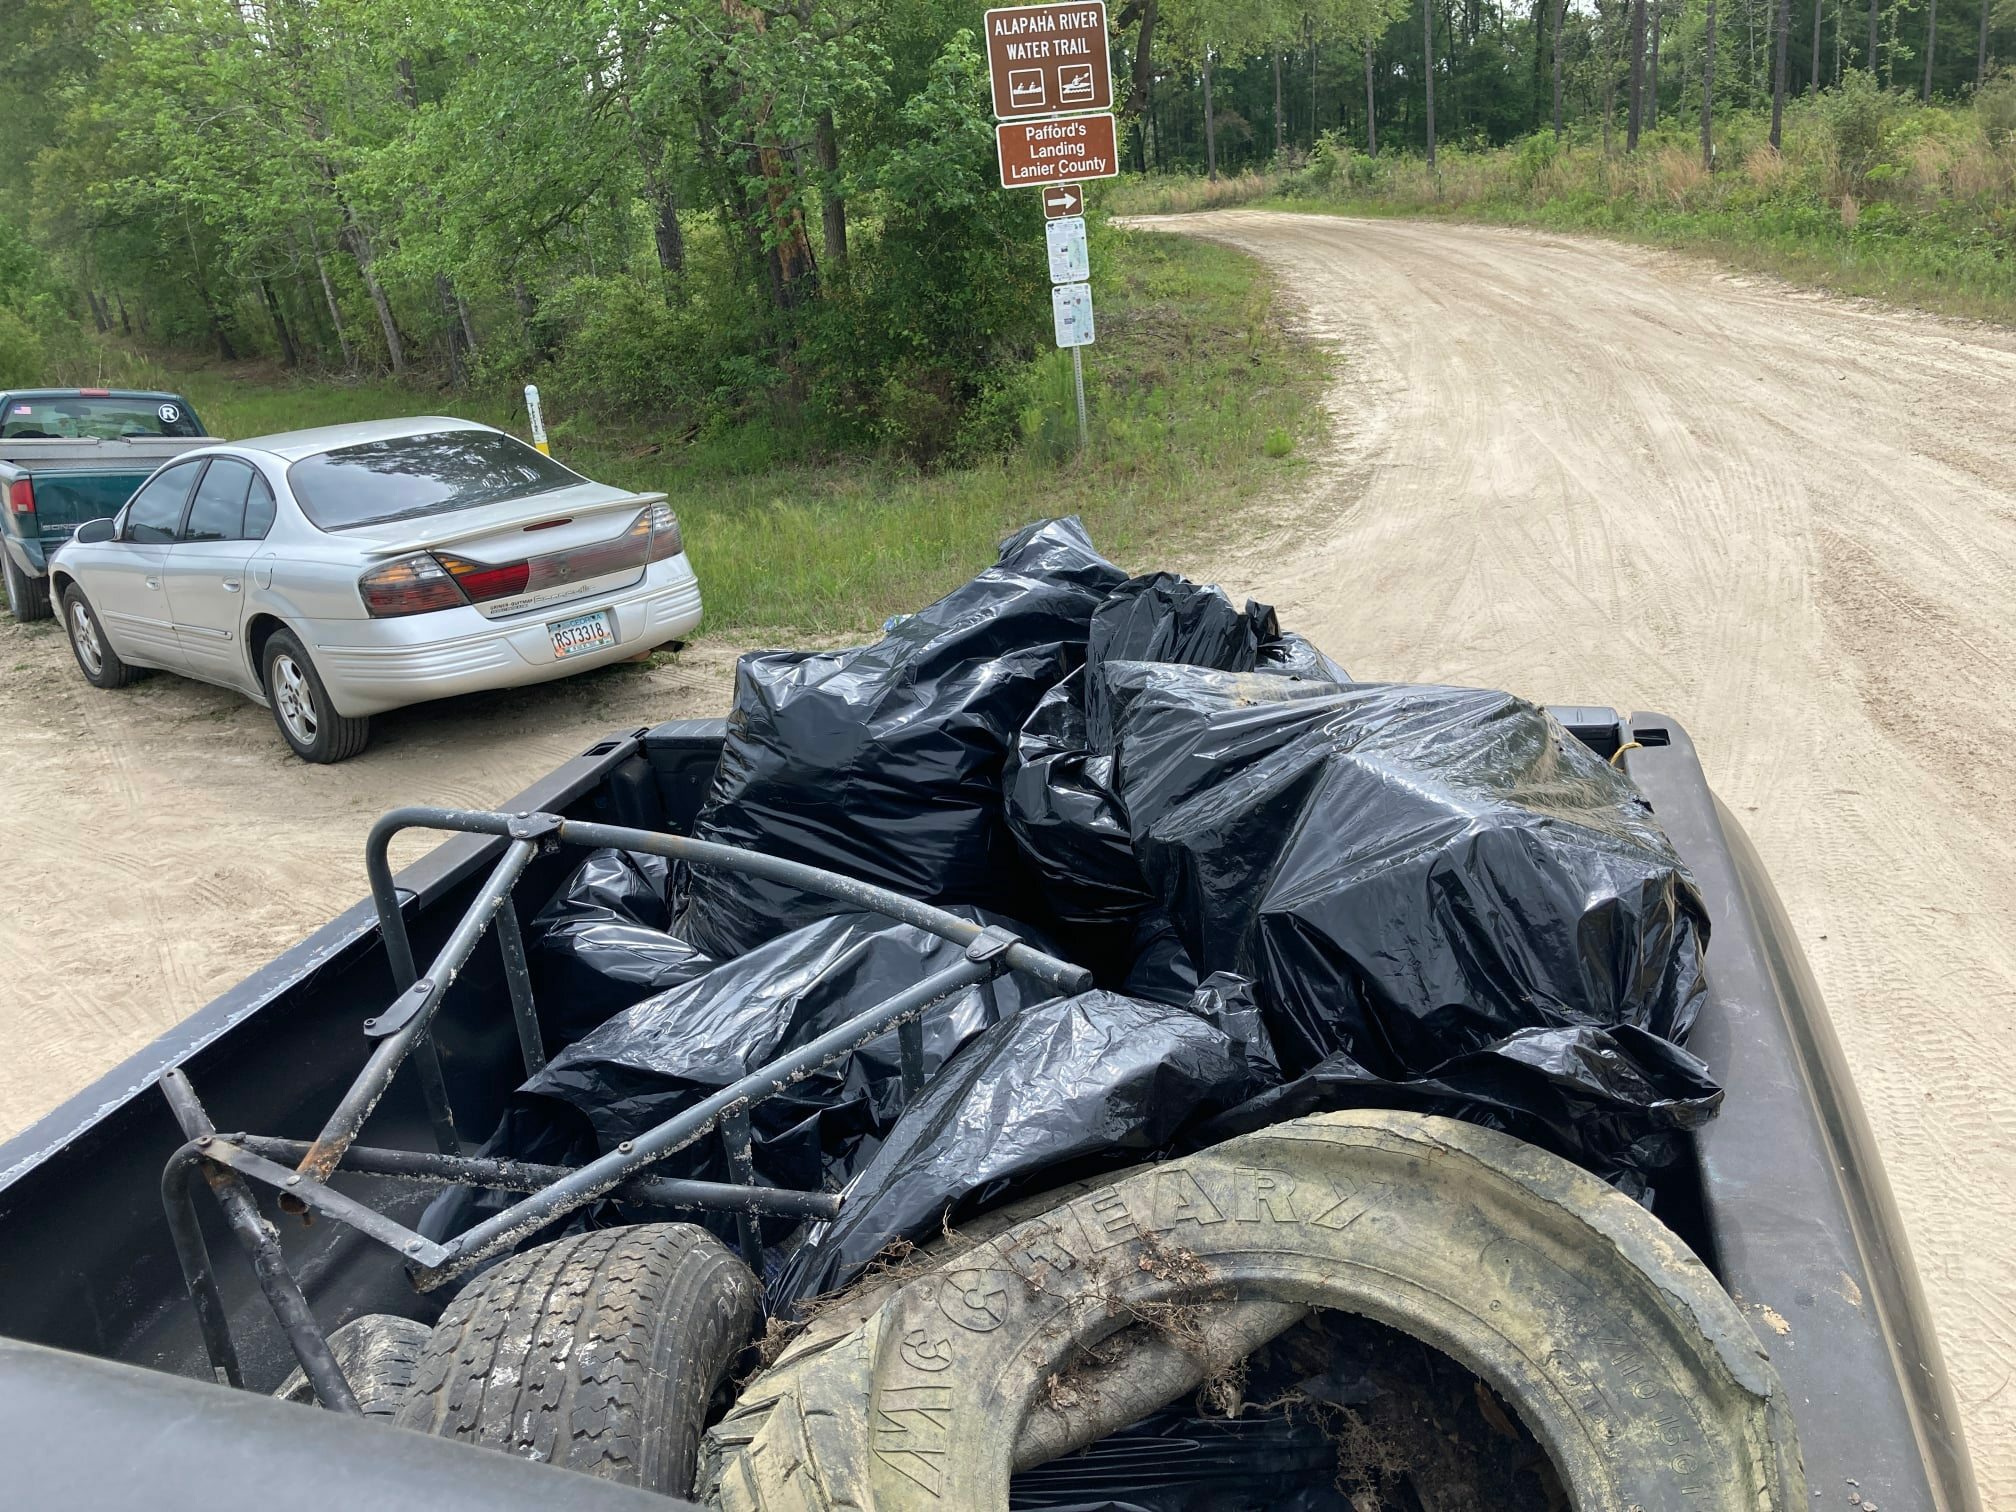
(1873,193)
(1201,400)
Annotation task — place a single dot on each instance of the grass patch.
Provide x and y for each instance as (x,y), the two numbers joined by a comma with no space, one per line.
(1873,194)
(1198,399)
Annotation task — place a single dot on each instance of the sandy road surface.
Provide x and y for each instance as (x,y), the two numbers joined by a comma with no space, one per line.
(160,842)
(1598,474)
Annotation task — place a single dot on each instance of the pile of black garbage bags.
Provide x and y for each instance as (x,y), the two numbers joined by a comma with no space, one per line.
(1297,892)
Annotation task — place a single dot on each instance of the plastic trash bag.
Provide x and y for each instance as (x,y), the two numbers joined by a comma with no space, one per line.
(681,1045)
(1407,873)
(1611,1100)
(1061,803)
(884,762)
(1175,1461)
(1290,655)
(1064,1088)
(601,943)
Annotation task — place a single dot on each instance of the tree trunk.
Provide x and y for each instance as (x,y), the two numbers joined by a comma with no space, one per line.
(1931,46)
(1652,84)
(1371,107)
(1280,126)
(1560,12)
(832,204)
(1144,65)
(125,324)
(1981,48)
(329,295)
(100,316)
(1428,73)
(1708,90)
(1870,62)
(1784,31)
(1813,84)
(1210,124)
(1309,36)
(290,354)
(360,249)
(1539,60)
(1636,116)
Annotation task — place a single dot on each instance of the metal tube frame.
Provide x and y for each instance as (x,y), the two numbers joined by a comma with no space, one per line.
(403,1032)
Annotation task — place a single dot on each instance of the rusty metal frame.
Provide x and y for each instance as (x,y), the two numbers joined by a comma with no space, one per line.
(300,1171)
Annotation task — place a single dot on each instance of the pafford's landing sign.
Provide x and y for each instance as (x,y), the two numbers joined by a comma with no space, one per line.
(1034,153)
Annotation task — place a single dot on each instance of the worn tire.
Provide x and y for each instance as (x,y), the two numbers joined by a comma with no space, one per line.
(81,625)
(602,1353)
(1611,1340)
(325,736)
(27,598)
(378,1354)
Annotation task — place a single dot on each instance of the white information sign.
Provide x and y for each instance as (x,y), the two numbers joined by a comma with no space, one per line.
(1071,305)
(1069,262)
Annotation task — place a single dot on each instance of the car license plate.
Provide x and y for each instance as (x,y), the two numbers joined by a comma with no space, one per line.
(581,634)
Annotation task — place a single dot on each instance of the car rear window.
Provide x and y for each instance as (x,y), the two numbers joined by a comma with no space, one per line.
(42,417)
(408,476)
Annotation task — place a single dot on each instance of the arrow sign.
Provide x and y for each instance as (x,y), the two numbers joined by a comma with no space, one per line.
(1062,201)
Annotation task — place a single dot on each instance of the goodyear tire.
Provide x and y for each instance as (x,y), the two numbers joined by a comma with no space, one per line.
(603,1352)
(378,1355)
(1611,1340)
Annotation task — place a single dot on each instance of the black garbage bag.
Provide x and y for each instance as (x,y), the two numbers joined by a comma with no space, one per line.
(884,762)
(1161,970)
(1064,815)
(1064,1088)
(1407,873)
(1614,1101)
(1176,1461)
(1290,655)
(679,1046)
(1061,803)
(601,943)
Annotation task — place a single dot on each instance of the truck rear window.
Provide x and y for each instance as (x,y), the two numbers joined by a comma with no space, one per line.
(408,476)
(67,417)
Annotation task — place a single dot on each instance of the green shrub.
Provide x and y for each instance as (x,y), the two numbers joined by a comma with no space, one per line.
(1858,116)
(1995,107)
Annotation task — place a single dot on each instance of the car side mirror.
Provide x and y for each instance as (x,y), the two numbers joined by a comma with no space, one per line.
(91,531)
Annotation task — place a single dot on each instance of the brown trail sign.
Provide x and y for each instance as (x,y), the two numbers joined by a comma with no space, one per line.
(1049,59)
(1036,153)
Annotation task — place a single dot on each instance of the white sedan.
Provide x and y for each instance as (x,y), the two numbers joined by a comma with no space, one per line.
(331,574)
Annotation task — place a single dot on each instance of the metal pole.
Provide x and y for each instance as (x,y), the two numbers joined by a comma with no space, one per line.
(630,1158)
(262,1243)
(1078,382)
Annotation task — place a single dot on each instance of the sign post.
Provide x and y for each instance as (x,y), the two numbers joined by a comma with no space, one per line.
(1052,77)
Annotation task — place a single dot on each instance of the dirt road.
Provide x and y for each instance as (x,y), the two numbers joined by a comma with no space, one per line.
(1599,474)
(160,842)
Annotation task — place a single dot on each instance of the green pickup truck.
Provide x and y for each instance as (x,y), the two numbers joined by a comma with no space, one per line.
(71,455)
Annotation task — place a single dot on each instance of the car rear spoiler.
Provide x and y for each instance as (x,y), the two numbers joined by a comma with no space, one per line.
(533,512)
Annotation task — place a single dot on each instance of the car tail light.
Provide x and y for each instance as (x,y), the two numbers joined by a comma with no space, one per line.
(409,585)
(21,496)
(665,538)
(94,393)
(481,581)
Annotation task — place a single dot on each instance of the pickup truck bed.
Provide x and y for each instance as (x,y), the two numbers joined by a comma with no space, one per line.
(1787,1203)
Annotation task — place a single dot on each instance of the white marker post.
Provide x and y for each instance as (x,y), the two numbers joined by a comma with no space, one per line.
(538,419)
(1071,310)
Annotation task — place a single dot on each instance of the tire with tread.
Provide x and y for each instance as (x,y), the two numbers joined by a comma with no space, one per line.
(27,598)
(1610,1339)
(79,618)
(378,1354)
(337,737)
(601,1352)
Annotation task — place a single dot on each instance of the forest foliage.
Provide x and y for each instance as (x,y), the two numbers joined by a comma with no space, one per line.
(709,214)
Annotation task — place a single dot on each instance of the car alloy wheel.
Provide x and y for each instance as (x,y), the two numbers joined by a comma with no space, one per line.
(84,638)
(294,699)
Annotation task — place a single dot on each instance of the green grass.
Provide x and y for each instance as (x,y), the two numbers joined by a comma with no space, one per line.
(1200,401)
